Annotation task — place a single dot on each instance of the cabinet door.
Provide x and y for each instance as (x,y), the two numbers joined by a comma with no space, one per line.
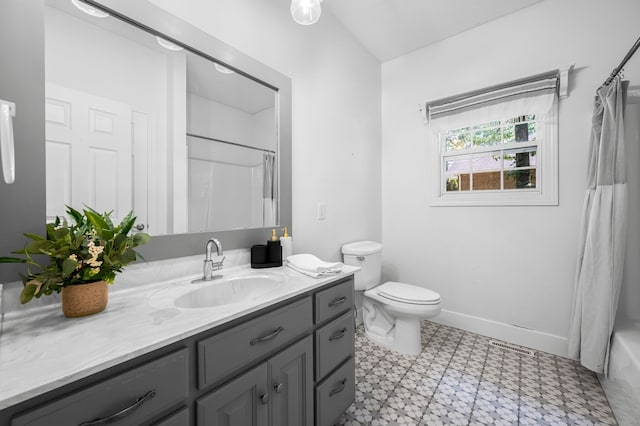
(291,373)
(241,402)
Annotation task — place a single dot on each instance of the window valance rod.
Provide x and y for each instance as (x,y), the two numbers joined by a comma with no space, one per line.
(624,61)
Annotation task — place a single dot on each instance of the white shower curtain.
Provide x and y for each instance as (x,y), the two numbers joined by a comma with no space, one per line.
(269,190)
(603,233)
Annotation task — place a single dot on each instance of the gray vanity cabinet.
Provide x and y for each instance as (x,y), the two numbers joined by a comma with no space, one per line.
(290,364)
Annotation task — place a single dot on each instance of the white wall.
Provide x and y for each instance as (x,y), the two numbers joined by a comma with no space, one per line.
(265,132)
(503,265)
(216,120)
(336,113)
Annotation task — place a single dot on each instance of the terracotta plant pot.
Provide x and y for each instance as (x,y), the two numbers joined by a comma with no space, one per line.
(84,299)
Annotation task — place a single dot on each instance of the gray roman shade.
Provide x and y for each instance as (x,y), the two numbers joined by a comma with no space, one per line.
(530,91)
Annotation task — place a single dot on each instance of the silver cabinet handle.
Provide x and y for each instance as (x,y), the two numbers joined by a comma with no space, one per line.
(139,227)
(264,398)
(339,388)
(338,301)
(267,337)
(278,388)
(123,413)
(338,335)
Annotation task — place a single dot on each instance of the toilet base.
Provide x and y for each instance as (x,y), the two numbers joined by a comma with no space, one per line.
(394,325)
(403,338)
(408,337)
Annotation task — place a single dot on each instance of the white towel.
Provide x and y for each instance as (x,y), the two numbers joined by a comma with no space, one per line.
(313,274)
(309,262)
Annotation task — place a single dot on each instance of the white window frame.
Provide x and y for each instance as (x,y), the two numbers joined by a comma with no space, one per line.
(546,191)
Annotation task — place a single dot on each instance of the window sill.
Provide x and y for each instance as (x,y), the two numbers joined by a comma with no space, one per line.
(494,198)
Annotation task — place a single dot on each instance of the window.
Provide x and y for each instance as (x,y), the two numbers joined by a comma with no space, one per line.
(498,155)
(496,147)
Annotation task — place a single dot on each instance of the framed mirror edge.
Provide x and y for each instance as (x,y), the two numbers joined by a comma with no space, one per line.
(159,22)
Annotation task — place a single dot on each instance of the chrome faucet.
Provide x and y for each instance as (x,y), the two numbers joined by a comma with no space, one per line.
(209,265)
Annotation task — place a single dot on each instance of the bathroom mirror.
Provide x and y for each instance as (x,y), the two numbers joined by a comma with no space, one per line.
(139,119)
(156,21)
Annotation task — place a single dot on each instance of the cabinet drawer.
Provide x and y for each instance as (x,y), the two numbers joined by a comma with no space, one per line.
(335,394)
(179,418)
(334,343)
(221,355)
(334,301)
(133,396)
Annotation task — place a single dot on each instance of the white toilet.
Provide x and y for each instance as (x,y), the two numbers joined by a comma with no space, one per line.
(392,311)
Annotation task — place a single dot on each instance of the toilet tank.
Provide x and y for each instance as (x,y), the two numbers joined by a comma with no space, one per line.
(368,256)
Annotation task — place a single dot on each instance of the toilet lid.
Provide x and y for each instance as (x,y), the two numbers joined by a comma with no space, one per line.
(362,248)
(407,293)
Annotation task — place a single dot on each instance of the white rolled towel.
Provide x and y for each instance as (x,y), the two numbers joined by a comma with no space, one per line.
(308,262)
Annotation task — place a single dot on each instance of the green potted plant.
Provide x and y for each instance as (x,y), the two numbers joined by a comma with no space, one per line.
(84,257)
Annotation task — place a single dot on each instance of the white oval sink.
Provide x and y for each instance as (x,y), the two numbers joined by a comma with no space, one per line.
(226,291)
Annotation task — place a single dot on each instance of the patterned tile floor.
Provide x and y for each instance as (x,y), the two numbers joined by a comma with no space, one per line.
(460,379)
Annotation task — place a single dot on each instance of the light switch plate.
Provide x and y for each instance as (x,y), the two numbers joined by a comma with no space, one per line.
(322,211)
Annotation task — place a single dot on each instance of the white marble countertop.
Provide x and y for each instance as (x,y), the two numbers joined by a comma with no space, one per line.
(41,350)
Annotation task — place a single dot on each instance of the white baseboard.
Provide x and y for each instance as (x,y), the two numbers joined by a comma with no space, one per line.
(529,338)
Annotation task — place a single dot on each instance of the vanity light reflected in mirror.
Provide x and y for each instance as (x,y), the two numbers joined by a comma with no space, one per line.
(223,69)
(89,10)
(137,122)
(168,45)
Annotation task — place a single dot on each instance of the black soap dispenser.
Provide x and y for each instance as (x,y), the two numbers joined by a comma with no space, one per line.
(267,256)
(274,250)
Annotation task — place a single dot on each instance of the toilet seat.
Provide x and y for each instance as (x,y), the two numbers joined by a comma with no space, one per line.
(407,293)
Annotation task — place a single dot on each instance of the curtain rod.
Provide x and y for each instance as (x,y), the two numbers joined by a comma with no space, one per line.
(617,70)
(230,143)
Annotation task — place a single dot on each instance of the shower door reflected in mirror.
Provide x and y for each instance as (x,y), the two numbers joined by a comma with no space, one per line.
(133,122)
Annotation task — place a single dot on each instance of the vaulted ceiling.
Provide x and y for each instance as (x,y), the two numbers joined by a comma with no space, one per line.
(391,28)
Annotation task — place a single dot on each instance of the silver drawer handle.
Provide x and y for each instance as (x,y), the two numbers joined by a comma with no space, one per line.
(123,413)
(338,335)
(338,388)
(338,301)
(266,338)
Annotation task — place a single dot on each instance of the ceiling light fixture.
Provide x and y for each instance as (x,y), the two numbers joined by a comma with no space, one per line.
(223,69)
(89,10)
(306,12)
(168,45)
